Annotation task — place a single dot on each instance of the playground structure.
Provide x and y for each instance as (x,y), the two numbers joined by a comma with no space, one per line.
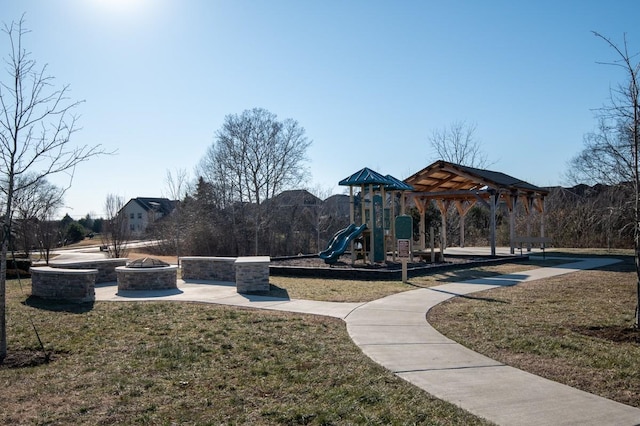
(381,200)
(371,214)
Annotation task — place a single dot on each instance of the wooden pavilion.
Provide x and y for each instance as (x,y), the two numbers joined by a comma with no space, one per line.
(448,183)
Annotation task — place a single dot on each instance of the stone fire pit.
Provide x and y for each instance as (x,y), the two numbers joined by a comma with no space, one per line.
(147,274)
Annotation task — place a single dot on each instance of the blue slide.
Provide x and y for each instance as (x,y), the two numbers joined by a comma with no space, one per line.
(340,242)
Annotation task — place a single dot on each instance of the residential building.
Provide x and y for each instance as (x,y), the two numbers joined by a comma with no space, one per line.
(143,211)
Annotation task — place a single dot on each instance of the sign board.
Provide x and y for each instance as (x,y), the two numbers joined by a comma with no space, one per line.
(404,248)
(404,227)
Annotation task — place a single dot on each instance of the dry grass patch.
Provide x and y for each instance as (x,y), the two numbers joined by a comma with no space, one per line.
(187,363)
(574,329)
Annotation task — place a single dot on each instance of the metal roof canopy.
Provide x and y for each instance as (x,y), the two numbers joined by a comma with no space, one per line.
(446,180)
(366,176)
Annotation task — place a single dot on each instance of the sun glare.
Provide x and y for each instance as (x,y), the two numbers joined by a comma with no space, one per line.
(123,7)
(125,16)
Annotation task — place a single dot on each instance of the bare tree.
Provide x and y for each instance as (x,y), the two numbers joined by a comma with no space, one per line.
(35,207)
(255,156)
(177,191)
(611,153)
(458,144)
(36,124)
(115,229)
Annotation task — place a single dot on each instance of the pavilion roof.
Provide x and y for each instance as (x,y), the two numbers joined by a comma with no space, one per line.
(449,178)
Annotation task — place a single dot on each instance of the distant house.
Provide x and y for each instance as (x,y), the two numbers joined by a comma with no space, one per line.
(294,198)
(143,211)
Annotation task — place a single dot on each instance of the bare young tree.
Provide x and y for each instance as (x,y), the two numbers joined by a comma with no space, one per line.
(177,191)
(36,125)
(35,207)
(458,144)
(115,228)
(611,153)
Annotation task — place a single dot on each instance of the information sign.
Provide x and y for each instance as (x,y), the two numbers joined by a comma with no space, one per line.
(404,248)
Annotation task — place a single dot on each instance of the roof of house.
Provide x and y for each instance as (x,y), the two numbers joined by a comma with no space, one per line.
(295,197)
(162,205)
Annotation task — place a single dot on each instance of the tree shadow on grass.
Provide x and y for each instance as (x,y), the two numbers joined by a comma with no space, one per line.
(627,263)
(58,305)
(470,297)
(612,333)
(28,358)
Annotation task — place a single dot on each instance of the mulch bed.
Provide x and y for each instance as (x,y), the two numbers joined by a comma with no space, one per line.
(344,262)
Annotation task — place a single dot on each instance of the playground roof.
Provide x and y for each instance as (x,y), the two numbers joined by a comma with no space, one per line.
(397,185)
(367,176)
(452,180)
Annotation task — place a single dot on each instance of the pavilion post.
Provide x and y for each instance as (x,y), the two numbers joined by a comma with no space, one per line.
(462,212)
(422,209)
(493,200)
(513,200)
(443,205)
(528,208)
(542,217)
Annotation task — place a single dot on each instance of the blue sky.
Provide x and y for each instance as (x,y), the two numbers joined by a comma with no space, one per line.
(368,80)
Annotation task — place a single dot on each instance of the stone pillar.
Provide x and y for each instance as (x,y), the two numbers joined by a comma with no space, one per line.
(252,274)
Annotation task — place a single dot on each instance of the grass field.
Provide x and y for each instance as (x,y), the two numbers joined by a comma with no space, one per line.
(186,363)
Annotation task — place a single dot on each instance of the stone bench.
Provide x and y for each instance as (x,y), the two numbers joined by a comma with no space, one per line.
(252,274)
(106,267)
(71,285)
(208,268)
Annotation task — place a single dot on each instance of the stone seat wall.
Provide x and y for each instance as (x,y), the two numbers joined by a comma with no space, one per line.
(71,285)
(208,268)
(106,267)
(251,274)
(162,278)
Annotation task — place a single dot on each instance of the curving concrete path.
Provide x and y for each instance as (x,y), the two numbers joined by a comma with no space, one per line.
(393,331)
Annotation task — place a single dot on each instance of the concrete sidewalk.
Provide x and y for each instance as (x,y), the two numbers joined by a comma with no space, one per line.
(224,293)
(393,331)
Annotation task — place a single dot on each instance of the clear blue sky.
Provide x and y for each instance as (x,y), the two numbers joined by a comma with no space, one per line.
(368,80)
